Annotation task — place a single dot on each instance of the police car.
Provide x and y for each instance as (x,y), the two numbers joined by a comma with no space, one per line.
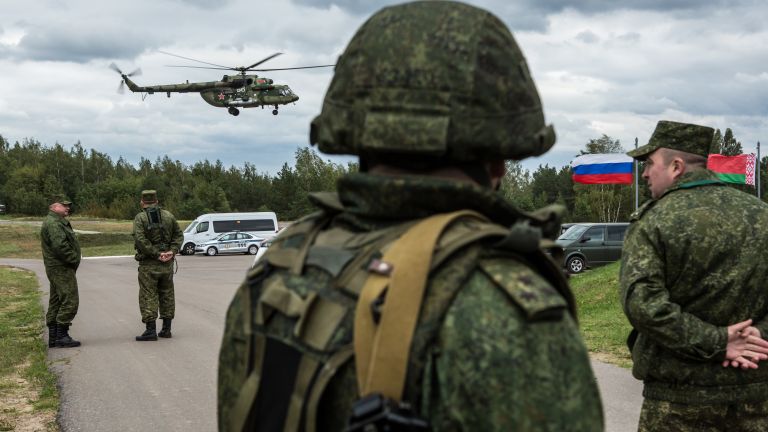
(262,250)
(230,242)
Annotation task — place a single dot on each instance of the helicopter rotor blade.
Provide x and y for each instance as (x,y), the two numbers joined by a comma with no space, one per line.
(201,67)
(136,72)
(121,87)
(114,67)
(261,61)
(199,61)
(292,68)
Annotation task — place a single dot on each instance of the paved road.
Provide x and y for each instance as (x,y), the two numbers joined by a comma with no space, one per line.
(113,383)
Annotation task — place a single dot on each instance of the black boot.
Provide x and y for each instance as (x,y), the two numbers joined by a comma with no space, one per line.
(62,337)
(150,334)
(52,329)
(166,331)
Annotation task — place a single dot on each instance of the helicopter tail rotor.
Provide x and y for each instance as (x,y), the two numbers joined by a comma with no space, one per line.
(121,87)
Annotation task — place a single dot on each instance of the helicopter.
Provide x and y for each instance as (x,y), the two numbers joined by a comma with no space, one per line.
(242,90)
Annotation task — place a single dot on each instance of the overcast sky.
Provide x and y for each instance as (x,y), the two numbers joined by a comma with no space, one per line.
(611,67)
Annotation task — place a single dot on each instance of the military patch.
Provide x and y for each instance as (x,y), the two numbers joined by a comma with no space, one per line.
(534,295)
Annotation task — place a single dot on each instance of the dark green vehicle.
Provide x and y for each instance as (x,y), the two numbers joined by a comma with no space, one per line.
(592,244)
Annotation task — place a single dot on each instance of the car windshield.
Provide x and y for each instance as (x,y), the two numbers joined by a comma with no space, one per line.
(573,232)
(191,227)
(221,236)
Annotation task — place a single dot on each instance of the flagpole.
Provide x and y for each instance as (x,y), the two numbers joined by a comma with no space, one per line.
(758,171)
(637,190)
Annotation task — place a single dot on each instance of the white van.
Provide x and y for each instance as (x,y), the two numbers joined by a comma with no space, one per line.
(208,226)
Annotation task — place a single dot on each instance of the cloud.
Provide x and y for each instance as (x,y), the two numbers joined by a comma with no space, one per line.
(207,4)
(613,67)
(64,44)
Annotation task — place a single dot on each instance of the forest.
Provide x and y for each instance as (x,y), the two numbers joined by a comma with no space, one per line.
(31,171)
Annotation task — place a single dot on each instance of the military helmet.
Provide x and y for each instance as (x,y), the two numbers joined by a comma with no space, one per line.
(433,79)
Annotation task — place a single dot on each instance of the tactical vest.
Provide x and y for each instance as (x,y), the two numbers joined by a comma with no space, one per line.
(305,304)
(154,231)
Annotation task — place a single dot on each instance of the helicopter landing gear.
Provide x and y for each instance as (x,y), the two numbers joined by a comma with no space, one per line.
(234,111)
(274,111)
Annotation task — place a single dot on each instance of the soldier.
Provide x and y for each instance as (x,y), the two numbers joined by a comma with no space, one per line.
(476,329)
(692,280)
(157,238)
(61,256)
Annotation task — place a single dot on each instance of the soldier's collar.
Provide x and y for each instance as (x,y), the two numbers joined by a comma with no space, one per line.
(694,179)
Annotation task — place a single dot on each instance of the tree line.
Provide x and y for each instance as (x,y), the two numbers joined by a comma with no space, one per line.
(30,172)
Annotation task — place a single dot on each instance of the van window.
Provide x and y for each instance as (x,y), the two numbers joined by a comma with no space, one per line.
(616,233)
(573,233)
(202,227)
(244,225)
(595,234)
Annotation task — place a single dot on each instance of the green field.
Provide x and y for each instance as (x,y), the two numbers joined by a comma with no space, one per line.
(29,399)
(603,323)
(98,237)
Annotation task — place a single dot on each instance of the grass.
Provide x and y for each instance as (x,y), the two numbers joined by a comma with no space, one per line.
(28,389)
(113,237)
(603,324)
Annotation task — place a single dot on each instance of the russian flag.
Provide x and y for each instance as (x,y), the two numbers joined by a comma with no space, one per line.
(605,168)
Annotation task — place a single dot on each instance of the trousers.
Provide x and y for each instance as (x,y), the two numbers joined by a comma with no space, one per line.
(662,416)
(64,299)
(156,291)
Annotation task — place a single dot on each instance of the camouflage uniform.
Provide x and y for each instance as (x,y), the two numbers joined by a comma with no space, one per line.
(496,345)
(156,289)
(493,364)
(694,263)
(61,256)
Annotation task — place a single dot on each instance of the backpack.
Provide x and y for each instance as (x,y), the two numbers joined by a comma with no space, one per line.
(319,298)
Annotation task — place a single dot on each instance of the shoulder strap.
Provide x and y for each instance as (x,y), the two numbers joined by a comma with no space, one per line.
(381,351)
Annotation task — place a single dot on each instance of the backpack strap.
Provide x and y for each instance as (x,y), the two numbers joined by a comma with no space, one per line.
(254,345)
(381,351)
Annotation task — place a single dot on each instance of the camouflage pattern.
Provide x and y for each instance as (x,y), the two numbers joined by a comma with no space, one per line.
(60,198)
(64,298)
(61,256)
(434,79)
(152,238)
(658,416)
(494,348)
(694,263)
(149,196)
(156,289)
(244,91)
(686,137)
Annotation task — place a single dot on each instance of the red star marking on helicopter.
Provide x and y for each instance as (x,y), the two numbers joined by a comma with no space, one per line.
(221,96)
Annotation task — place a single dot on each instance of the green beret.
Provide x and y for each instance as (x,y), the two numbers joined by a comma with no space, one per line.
(685,137)
(149,196)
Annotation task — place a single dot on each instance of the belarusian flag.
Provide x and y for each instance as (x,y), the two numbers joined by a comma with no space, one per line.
(733,169)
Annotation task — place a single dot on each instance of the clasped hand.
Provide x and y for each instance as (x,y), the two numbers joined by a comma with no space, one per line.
(165,256)
(746,347)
